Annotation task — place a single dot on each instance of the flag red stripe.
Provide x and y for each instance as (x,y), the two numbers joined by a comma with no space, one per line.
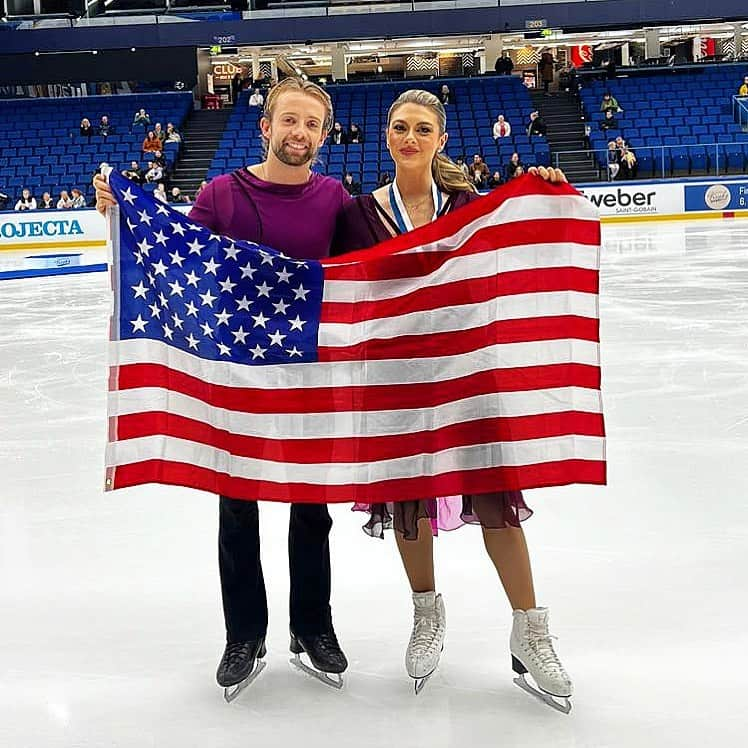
(456,220)
(468,291)
(491,238)
(369,449)
(462,341)
(486,480)
(362,397)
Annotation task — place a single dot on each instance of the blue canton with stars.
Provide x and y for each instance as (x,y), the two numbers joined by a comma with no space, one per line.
(215,297)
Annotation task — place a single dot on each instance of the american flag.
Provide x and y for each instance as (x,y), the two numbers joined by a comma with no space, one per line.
(462,357)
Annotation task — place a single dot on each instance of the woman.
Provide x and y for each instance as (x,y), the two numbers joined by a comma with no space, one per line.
(64,203)
(151,143)
(86,130)
(78,200)
(47,202)
(172,135)
(428,185)
(512,166)
(355,134)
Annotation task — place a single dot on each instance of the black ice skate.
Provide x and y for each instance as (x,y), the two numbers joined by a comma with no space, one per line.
(237,668)
(324,653)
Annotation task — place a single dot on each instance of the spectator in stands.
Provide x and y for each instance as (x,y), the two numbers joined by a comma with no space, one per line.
(610,68)
(504,65)
(446,96)
(479,172)
(460,163)
(628,163)
(86,130)
(586,136)
(202,186)
(614,160)
(743,90)
(609,103)
(352,187)
(77,199)
(151,143)
(256,99)
(545,70)
(64,203)
(46,202)
(155,172)
(337,135)
(536,126)
(178,197)
(236,87)
(142,119)
(159,159)
(160,193)
(4,198)
(355,134)
(134,173)
(494,180)
(27,201)
(104,127)
(621,143)
(518,172)
(172,134)
(512,166)
(384,179)
(501,128)
(609,121)
(158,131)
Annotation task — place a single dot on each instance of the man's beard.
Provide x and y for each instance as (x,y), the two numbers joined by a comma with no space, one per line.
(292,158)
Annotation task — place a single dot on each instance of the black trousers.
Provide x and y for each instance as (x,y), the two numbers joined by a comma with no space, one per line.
(245,606)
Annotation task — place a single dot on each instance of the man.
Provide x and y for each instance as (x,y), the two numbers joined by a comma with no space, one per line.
(141,119)
(281,204)
(256,99)
(134,173)
(479,172)
(536,126)
(743,90)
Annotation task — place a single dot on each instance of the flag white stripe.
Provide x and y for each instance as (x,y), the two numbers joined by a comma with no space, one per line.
(522,208)
(351,424)
(349,373)
(474,457)
(461,318)
(485,264)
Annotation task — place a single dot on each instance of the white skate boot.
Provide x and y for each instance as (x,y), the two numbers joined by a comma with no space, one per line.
(532,651)
(427,639)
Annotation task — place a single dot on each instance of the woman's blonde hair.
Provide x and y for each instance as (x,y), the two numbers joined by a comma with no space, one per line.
(447,175)
(307,87)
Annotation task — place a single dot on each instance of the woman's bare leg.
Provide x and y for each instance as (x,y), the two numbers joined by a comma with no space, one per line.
(507,549)
(418,557)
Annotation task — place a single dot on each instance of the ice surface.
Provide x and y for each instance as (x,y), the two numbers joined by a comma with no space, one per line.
(110,615)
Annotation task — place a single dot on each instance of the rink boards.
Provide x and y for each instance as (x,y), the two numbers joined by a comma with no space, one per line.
(41,243)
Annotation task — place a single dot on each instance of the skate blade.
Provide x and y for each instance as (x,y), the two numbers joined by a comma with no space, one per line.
(334,680)
(562,705)
(232,692)
(420,683)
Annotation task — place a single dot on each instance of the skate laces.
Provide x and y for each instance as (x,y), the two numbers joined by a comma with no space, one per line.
(426,626)
(541,643)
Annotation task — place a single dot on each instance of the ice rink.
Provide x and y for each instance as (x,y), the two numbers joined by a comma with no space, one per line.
(110,618)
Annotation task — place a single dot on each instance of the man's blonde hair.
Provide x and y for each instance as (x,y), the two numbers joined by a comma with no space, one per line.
(307,87)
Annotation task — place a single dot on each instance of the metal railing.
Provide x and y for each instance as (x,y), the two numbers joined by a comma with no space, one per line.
(740,111)
(662,165)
